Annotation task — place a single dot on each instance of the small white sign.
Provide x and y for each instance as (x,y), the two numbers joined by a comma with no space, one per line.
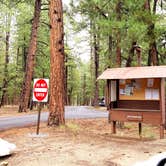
(155,94)
(150,82)
(152,94)
(148,94)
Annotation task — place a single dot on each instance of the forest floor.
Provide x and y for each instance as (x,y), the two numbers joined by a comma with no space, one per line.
(9,111)
(82,142)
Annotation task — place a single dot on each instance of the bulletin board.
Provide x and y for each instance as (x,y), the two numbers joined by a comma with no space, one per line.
(139,89)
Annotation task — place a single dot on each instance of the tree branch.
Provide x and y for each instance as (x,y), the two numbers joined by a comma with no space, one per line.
(45,9)
(42,42)
(46,24)
(44,4)
(101,12)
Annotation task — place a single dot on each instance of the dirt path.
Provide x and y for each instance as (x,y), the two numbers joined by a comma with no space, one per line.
(83,143)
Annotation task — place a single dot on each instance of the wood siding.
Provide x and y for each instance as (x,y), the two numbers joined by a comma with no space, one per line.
(137,104)
(136,116)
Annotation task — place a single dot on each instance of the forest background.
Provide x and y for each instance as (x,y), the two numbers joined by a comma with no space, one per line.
(112,33)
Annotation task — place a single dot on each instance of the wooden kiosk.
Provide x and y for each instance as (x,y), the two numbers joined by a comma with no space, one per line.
(136,94)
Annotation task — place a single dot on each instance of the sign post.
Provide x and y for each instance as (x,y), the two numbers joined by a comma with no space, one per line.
(40,94)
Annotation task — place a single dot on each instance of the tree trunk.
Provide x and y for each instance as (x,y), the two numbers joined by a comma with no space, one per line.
(131,55)
(153,53)
(5,79)
(24,56)
(56,103)
(96,63)
(110,47)
(153,59)
(66,80)
(118,35)
(92,67)
(30,60)
(84,89)
(118,51)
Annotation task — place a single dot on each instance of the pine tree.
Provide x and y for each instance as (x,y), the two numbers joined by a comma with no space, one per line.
(30,60)
(56,102)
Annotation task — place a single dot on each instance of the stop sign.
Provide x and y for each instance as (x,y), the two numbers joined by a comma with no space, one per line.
(40,90)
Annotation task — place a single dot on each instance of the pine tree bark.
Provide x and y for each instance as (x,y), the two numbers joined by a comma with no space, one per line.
(5,79)
(96,65)
(118,35)
(84,89)
(153,53)
(66,80)
(24,56)
(56,103)
(153,59)
(6,72)
(131,55)
(110,48)
(30,60)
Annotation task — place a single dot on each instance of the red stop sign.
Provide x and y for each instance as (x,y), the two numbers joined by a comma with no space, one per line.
(40,90)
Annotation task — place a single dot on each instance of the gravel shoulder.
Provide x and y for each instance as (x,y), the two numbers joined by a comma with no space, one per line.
(83,142)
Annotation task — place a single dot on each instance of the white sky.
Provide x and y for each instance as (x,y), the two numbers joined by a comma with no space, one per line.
(78,42)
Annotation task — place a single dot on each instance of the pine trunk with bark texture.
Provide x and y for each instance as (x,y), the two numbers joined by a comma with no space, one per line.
(5,79)
(153,59)
(118,35)
(57,98)
(131,55)
(30,60)
(96,67)
(66,80)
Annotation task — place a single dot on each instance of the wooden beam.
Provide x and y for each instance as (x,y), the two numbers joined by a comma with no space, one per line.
(114,127)
(162,107)
(161,131)
(108,99)
(107,96)
(162,100)
(117,90)
(140,129)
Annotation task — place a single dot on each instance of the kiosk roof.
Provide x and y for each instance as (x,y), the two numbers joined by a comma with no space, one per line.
(134,72)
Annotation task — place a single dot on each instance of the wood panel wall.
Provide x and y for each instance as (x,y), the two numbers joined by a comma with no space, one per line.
(137,104)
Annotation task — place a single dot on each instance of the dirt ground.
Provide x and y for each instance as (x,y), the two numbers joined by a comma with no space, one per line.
(87,142)
(9,111)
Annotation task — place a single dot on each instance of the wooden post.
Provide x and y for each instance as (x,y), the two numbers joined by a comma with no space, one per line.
(108,99)
(38,118)
(114,127)
(140,129)
(161,131)
(162,107)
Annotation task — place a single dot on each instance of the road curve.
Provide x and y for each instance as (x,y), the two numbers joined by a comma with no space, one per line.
(71,112)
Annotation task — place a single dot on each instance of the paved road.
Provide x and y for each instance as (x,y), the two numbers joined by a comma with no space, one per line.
(71,112)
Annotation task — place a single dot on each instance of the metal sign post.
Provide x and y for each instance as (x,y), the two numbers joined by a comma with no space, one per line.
(38,118)
(40,94)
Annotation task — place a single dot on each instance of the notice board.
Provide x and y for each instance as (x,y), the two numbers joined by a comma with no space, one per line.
(139,89)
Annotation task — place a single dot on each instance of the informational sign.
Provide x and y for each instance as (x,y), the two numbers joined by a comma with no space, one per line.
(140,89)
(152,94)
(40,90)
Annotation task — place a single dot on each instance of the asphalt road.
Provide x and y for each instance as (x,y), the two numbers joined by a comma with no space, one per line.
(71,112)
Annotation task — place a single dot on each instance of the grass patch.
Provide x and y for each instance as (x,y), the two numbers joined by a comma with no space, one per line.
(147,132)
(73,127)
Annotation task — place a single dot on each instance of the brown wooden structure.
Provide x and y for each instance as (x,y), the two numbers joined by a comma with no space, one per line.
(136,94)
